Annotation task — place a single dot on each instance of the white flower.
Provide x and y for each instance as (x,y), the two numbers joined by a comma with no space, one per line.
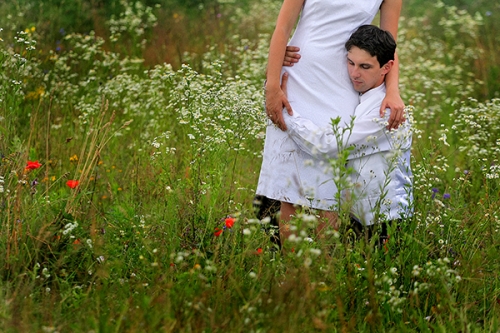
(315,252)
(307,262)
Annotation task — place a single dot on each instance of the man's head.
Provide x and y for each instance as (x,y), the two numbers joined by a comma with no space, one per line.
(370,56)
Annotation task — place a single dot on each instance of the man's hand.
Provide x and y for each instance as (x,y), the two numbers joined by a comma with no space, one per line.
(291,56)
(397,106)
(284,83)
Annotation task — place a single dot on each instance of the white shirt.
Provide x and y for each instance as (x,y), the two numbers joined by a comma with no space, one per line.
(380,158)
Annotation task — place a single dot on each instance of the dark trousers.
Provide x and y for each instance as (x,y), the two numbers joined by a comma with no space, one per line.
(266,207)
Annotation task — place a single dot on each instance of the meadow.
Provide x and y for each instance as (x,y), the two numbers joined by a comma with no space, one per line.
(130,140)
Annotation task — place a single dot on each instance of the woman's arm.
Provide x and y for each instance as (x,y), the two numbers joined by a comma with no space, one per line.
(275,99)
(390,12)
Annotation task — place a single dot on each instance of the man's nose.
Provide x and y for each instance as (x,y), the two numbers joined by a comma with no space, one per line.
(355,72)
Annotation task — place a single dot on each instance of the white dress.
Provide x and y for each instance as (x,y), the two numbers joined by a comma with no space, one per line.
(318,87)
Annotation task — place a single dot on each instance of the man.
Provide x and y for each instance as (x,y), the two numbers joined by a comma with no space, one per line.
(380,158)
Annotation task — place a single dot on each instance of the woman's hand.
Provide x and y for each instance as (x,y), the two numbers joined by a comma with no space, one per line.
(291,56)
(276,100)
(397,106)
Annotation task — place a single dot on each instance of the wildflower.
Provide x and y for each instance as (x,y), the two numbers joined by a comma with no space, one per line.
(446,196)
(72,183)
(229,222)
(434,191)
(315,252)
(307,262)
(73,158)
(45,272)
(32,165)
(217,232)
(259,251)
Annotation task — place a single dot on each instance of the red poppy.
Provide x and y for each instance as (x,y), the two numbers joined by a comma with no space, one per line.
(230,222)
(32,165)
(72,183)
(259,251)
(217,232)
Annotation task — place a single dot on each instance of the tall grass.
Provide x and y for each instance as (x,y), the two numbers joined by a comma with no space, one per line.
(167,157)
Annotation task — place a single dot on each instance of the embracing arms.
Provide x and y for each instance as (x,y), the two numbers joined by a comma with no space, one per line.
(275,98)
(366,133)
(390,11)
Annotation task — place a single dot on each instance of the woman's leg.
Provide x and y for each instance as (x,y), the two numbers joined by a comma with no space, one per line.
(327,221)
(286,212)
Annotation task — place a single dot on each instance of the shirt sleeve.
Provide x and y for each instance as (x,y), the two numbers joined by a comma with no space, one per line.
(366,134)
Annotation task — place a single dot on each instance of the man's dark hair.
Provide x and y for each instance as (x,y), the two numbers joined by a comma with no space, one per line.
(375,41)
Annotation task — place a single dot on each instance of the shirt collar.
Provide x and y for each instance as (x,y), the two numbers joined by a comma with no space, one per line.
(371,92)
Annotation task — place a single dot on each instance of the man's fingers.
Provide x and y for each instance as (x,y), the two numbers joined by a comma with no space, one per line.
(284,82)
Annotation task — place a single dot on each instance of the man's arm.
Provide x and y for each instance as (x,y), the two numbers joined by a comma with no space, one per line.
(314,139)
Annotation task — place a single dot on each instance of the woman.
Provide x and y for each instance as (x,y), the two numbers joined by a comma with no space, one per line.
(319,84)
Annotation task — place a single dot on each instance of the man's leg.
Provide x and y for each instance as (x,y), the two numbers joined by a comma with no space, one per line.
(266,207)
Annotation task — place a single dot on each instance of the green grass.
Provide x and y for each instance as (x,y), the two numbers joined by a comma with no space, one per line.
(164,154)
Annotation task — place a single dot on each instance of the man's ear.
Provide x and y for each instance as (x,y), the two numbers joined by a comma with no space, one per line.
(387,67)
